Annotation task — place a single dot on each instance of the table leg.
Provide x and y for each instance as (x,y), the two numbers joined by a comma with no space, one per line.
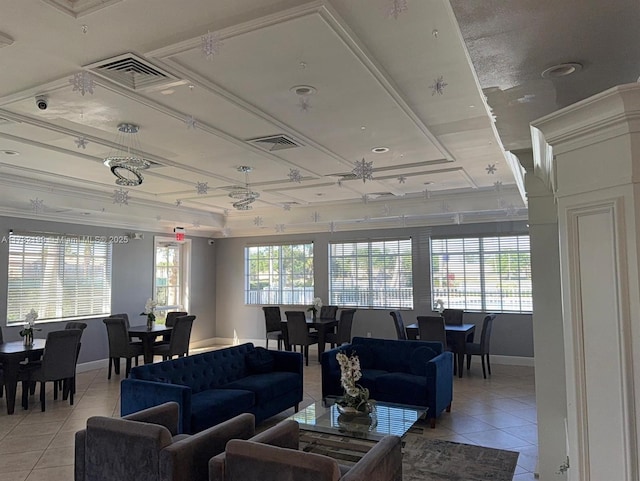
(147,349)
(10,372)
(321,342)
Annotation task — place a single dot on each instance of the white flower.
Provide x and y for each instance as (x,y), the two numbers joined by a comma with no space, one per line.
(440,305)
(317,302)
(150,306)
(30,318)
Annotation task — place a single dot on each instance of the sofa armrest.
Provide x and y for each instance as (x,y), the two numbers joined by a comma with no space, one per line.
(440,383)
(138,394)
(287,361)
(167,415)
(189,458)
(80,453)
(383,462)
(285,434)
(331,372)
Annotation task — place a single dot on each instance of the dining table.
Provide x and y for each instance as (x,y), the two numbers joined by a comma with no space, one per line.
(12,353)
(148,336)
(322,325)
(457,335)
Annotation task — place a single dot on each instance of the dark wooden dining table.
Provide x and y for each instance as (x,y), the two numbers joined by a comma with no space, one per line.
(12,353)
(322,325)
(148,337)
(456,334)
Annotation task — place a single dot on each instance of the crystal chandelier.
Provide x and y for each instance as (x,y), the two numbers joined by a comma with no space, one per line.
(123,161)
(244,196)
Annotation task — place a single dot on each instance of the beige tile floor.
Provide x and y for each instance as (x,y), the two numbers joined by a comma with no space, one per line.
(498,412)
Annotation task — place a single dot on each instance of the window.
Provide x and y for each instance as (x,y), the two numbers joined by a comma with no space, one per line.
(171,275)
(279,274)
(490,274)
(61,277)
(375,274)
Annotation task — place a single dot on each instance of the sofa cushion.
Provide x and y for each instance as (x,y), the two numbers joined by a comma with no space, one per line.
(266,387)
(400,387)
(419,359)
(259,361)
(211,407)
(369,377)
(365,355)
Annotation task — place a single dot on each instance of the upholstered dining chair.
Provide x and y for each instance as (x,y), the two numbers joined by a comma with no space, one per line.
(179,343)
(58,362)
(398,323)
(482,348)
(453,317)
(1,372)
(120,346)
(170,322)
(343,333)
(272,320)
(431,328)
(124,316)
(298,332)
(328,312)
(75,325)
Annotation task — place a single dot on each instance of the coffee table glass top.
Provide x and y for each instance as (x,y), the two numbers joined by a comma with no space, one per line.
(387,418)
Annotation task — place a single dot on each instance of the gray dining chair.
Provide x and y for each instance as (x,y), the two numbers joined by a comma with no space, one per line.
(179,343)
(81,326)
(120,346)
(1,371)
(122,315)
(58,363)
(398,323)
(298,332)
(273,327)
(170,322)
(343,333)
(431,328)
(453,317)
(482,348)
(328,312)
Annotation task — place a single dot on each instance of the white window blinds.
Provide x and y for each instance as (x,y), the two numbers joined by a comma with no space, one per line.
(374,274)
(61,277)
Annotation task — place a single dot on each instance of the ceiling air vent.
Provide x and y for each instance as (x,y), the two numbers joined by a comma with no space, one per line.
(133,72)
(275,142)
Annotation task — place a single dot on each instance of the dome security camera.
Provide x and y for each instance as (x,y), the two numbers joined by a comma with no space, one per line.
(41,102)
(211,242)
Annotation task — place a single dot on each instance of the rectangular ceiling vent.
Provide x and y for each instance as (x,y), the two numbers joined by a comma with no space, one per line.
(343,175)
(275,142)
(133,72)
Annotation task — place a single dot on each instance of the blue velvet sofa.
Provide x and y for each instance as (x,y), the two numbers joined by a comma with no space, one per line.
(215,386)
(417,373)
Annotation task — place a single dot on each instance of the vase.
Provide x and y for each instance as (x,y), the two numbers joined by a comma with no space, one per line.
(27,340)
(150,319)
(314,314)
(365,410)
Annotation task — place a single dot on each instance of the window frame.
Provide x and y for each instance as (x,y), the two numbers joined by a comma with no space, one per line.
(185,273)
(337,295)
(485,255)
(45,302)
(278,295)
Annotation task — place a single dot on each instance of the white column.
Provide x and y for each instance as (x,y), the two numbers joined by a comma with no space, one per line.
(595,174)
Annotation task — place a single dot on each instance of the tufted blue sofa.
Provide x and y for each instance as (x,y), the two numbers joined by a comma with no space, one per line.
(215,386)
(416,373)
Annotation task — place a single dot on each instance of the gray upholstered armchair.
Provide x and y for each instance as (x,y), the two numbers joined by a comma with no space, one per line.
(145,446)
(273,455)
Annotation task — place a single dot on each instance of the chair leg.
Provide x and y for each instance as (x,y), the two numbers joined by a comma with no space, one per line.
(71,389)
(26,385)
(127,367)
(266,343)
(55,390)
(484,372)
(468,361)
(110,364)
(42,397)
(488,365)
(448,409)
(432,422)
(116,365)
(306,355)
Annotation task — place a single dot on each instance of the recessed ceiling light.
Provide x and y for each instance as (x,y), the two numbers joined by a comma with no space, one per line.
(303,90)
(562,70)
(10,152)
(380,150)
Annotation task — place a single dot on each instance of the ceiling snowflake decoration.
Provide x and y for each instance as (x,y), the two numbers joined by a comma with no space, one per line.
(402,179)
(226,212)
(286,207)
(211,45)
(121,197)
(304,104)
(315,217)
(491,169)
(363,170)
(458,218)
(332,227)
(279,228)
(178,202)
(158,218)
(226,232)
(386,210)
(191,122)
(511,210)
(81,142)
(438,85)
(82,82)
(295,176)
(202,188)
(396,7)
(365,199)
(367,218)
(196,224)
(445,207)
(497,186)
(339,183)
(427,194)
(403,219)
(37,205)
(258,221)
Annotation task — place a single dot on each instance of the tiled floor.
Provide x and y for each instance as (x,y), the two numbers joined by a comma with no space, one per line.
(498,412)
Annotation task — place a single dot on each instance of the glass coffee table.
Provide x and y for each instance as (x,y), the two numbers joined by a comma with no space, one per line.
(386,418)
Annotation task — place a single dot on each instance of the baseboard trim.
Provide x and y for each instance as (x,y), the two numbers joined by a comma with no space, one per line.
(512,360)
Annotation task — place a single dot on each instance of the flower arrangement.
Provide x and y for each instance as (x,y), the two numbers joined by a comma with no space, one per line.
(149,306)
(440,305)
(29,326)
(315,306)
(355,396)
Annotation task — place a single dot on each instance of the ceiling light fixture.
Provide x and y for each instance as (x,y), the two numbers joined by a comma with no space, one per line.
(124,163)
(380,150)
(244,195)
(562,70)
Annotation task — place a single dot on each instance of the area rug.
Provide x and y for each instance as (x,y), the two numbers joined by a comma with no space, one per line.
(423,458)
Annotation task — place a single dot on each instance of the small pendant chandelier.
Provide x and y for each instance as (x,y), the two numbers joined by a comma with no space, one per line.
(244,195)
(123,161)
